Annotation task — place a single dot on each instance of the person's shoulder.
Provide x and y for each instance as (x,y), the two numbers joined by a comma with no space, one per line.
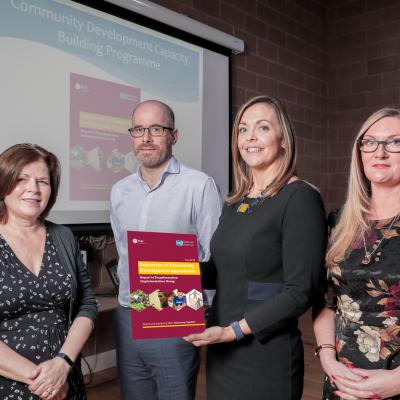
(60,230)
(194,175)
(301,187)
(124,182)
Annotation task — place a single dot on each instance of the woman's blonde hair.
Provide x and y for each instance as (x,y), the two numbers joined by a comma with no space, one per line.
(242,177)
(353,218)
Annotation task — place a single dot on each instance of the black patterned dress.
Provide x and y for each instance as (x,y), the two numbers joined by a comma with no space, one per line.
(33,317)
(367,301)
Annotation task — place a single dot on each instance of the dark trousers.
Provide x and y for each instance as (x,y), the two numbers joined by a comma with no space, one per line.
(154,369)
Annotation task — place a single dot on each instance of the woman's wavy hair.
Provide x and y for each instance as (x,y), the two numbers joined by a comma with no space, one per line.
(353,217)
(242,177)
(12,162)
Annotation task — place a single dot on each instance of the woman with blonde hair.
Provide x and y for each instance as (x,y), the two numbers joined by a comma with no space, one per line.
(358,330)
(266,261)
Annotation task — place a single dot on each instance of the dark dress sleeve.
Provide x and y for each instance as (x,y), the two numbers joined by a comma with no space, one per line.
(86,305)
(303,241)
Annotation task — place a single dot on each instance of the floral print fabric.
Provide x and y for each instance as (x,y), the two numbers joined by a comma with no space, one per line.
(33,319)
(367,302)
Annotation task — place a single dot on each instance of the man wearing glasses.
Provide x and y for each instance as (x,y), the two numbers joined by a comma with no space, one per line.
(162,196)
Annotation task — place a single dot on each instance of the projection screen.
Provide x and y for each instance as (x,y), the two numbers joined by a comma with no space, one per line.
(70,77)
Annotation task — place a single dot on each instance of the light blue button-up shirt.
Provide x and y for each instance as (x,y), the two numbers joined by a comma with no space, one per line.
(183,201)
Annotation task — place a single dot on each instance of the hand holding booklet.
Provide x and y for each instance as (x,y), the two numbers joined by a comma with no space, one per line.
(166,295)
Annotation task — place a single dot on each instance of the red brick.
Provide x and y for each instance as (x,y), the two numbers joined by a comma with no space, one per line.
(295,78)
(390,80)
(364,53)
(266,85)
(256,64)
(384,64)
(296,112)
(319,134)
(319,71)
(386,97)
(244,79)
(238,60)
(306,4)
(296,12)
(300,141)
(359,116)
(192,13)
(304,65)
(286,24)
(366,84)
(351,40)
(267,49)
(211,7)
(286,57)
(316,85)
(390,47)
(279,5)
(267,14)
(256,27)
(352,70)
(305,98)
(220,25)
(277,36)
(303,130)
(340,119)
(320,103)
(250,41)
(248,6)
(287,92)
(352,101)
(276,71)
(315,117)
(295,44)
(373,4)
(350,9)
(233,15)
(238,96)
(383,32)
(304,33)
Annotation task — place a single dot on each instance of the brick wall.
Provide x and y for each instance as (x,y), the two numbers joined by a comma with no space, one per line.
(284,56)
(363,44)
(332,62)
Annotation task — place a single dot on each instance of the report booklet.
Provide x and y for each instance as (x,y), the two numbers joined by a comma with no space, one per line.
(166,295)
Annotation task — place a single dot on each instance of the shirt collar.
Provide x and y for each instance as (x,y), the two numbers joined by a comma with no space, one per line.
(173,167)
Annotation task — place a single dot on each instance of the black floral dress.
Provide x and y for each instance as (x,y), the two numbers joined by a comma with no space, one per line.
(367,301)
(33,318)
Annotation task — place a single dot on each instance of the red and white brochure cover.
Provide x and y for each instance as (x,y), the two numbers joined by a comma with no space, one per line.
(166,295)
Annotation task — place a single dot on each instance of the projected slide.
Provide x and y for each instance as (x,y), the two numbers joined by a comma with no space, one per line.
(70,77)
(99,138)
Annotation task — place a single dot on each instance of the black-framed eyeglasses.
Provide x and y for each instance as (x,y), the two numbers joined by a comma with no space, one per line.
(370,145)
(154,130)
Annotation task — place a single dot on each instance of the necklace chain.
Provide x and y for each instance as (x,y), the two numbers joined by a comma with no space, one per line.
(368,254)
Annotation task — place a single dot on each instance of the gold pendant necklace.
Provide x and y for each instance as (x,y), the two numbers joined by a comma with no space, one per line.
(368,254)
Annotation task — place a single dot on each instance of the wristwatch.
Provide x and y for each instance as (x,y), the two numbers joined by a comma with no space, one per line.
(237,330)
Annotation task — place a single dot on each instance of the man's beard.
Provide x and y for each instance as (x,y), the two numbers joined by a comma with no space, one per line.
(154,160)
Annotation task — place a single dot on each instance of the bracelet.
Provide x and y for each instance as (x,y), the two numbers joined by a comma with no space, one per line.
(237,330)
(324,346)
(65,358)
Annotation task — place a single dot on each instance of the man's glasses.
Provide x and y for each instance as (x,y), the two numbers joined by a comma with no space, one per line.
(371,145)
(154,130)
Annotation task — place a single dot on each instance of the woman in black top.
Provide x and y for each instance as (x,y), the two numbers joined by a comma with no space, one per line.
(266,263)
(46,306)
(358,332)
